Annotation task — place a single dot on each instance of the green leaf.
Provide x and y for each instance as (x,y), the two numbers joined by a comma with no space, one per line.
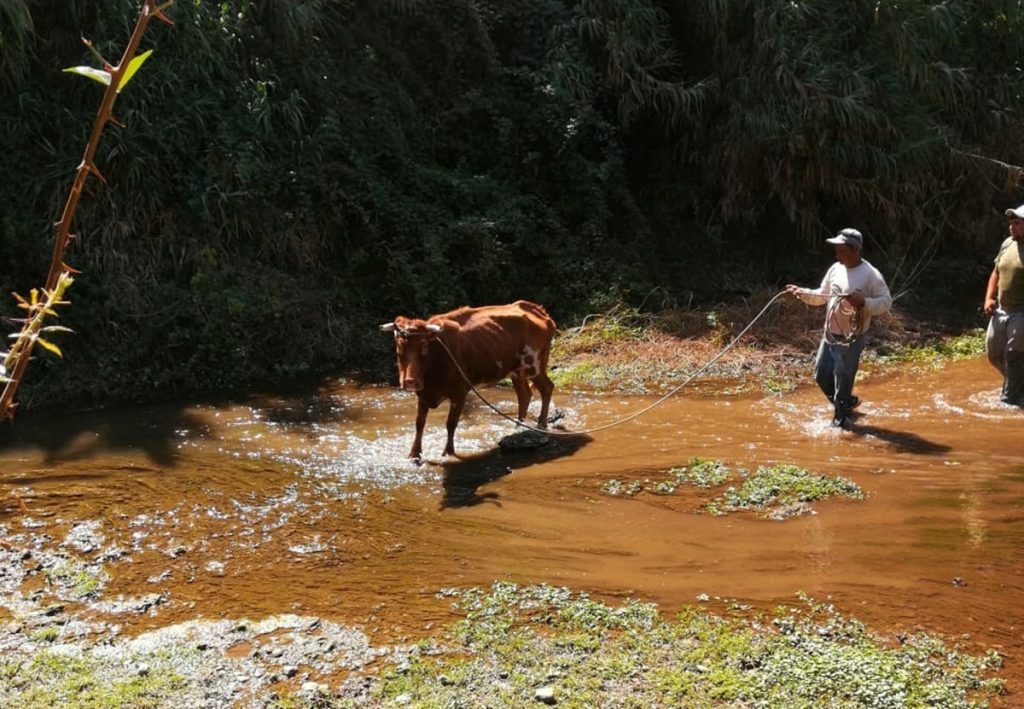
(49,346)
(95,74)
(133,66)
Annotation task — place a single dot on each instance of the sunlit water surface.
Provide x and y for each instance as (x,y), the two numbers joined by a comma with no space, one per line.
(306,503)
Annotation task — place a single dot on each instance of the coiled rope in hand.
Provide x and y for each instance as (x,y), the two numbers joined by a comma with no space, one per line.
(839,307)
(639,413)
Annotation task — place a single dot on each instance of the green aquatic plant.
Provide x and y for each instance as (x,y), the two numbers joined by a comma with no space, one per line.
(618,488)
(778,491)
(702,472)
(781,489)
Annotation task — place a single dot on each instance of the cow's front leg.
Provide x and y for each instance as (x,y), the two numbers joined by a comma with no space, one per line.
(421,421)
(454,412)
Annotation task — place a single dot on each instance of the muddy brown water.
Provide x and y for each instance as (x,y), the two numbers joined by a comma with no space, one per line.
(306,504)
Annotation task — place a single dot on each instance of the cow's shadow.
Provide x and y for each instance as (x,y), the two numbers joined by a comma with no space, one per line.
(464,475)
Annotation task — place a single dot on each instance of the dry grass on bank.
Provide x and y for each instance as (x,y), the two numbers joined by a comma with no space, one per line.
(627,350)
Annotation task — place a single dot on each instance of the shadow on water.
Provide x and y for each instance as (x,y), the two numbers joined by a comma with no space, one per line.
(902,441)
(83,436)
(158,431)
(463,477)
(306,408)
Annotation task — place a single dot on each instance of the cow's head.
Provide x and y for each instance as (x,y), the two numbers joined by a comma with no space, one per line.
(412,342)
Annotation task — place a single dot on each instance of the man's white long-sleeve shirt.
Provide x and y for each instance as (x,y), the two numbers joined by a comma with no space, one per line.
(839,280)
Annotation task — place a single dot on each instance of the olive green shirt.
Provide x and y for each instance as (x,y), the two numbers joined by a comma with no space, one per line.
(1010,265)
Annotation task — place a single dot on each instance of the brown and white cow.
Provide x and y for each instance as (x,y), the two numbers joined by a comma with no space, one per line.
(489,343)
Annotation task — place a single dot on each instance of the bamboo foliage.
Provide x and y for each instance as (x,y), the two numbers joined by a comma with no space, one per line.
(631,43)
(415,154)
(15,31)
(58,279)
(851,106)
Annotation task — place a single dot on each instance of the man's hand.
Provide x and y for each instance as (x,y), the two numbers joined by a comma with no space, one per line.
(990,306)
(792,289)
(856,299)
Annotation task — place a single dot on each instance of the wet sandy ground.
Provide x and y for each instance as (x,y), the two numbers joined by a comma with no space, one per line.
(305,504)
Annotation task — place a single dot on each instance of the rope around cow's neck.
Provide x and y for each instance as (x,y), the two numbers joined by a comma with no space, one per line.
(639,413)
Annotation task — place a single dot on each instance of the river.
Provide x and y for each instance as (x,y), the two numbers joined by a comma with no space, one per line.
(305,503)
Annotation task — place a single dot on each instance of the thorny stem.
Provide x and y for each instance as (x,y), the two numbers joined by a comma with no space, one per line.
(22,348)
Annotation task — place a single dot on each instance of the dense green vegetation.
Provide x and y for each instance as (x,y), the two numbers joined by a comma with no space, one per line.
(292,173)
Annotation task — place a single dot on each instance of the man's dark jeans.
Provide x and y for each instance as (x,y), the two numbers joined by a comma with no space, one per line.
(835,369)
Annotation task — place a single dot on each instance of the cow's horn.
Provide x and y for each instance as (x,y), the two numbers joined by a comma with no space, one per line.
(388,327)
(433,327)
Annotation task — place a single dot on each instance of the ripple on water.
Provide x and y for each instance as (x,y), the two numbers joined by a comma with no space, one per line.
(987,405)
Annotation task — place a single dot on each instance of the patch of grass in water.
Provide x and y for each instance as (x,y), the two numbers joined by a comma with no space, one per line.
(779,491)
(619,488)
(935,353)
(782,490)
(75,578)
(517,640)
(701,472)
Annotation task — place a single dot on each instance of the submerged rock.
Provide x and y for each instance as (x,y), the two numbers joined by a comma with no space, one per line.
(525,440)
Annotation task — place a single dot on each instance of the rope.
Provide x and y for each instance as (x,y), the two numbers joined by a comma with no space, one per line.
(639,413)
(837,302)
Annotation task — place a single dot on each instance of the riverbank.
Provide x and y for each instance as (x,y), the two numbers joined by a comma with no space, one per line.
(515,647)
(632,352)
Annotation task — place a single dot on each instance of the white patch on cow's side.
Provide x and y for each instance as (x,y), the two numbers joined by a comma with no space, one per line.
(528,362)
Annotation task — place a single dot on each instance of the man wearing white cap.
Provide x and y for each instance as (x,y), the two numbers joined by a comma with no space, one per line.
(854,292)
(1004,304)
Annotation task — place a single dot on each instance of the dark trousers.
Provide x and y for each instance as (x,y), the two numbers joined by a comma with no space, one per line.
(834,371)
(1004,344)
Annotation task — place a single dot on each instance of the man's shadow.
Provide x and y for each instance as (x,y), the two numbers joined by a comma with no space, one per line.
(902,441)
(463,477)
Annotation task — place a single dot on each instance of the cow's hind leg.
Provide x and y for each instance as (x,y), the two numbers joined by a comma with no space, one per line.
(454,412)
(544,385)
(523,394)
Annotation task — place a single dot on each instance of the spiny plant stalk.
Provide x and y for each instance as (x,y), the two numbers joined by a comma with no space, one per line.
(32,325)
(59,277)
